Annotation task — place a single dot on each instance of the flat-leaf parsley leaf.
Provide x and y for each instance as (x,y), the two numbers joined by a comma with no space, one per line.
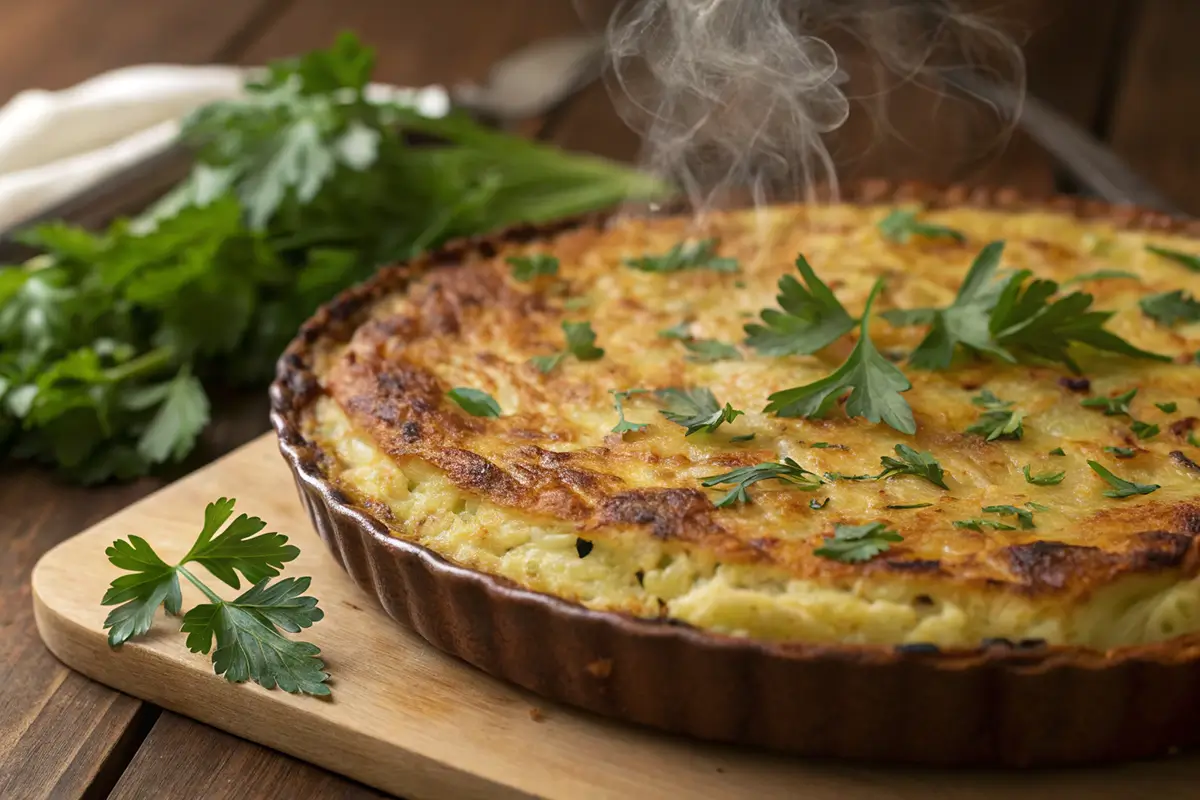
(1188,260)
(1042,478)
(247,629)
(1169,308)
(696,409)
(1121,487)
(811,318)
(875,386)
(979,524)
(902,224)
(475,402)
(619,398)
(999,419)
(708,351)
(581,343)
(1024,515)
(964,321)
(1015,319)
(913,462)
(685,255)
(787,471)
(852,543)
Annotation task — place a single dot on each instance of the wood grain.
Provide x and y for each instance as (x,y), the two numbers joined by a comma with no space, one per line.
(1156,117)
(410,720)
(418,42)
(62,735)
(176,761)
(54,43)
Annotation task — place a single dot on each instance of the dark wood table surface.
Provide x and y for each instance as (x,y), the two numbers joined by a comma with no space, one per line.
(1125,69)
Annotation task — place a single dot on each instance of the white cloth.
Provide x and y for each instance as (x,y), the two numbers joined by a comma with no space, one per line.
(56,144)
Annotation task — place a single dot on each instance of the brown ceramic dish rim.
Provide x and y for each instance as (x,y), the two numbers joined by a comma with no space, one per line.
(295,386)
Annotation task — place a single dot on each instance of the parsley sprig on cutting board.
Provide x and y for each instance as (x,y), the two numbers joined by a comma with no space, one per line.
(247,629)
(109,339)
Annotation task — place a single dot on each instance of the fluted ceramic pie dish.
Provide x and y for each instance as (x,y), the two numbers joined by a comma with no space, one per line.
(596,568)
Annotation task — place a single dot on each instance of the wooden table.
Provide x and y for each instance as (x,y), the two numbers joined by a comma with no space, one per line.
(1125,69)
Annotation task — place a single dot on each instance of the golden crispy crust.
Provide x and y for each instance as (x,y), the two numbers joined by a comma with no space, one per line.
(391,378)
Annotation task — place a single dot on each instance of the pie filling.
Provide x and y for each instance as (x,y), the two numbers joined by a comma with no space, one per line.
(548,496)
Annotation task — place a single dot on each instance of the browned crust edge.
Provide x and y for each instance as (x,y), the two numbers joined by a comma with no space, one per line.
(1003,704)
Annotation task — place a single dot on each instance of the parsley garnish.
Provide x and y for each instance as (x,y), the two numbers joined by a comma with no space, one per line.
(1121,452)
(1167,408)
(964,321)
(696,409)
(1034,327)
(787,470)
(1119,406)
(581,343)
(1058,451)
(874,382)
(618,404)
(1121,487)
(979,524)
(475,402)
(906,506)
(852,543)
(912,462)
(1100,275)
(746,437)
(1143,430)
(817,505)
(838,476)
(1188,260)
(247,628)
(685,255)
(999,420)
(1012,320)
(1024,515)
(1168,308)
(1042,478)
(680,331)
(708,351)
(526,268)
(1111,406)
(108,339)
(811,317)
(902,224)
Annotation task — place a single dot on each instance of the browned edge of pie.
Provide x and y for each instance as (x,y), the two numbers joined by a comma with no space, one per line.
(997,705)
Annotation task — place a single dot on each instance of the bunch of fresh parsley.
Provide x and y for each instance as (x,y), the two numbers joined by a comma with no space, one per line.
(305,186)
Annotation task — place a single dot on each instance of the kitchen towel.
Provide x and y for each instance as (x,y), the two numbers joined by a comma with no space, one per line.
(55,144)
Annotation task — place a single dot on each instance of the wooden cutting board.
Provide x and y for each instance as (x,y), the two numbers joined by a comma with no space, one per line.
(410,720)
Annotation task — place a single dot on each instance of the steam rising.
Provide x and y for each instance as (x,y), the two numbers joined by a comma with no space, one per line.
(737,96)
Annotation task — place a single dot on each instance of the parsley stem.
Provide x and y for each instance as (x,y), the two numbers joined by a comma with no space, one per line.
(144,364)
(196,582)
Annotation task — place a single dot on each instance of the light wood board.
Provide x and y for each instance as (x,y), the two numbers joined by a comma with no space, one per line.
(410,720)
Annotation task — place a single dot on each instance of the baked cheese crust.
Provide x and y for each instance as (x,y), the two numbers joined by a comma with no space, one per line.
(521,496)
